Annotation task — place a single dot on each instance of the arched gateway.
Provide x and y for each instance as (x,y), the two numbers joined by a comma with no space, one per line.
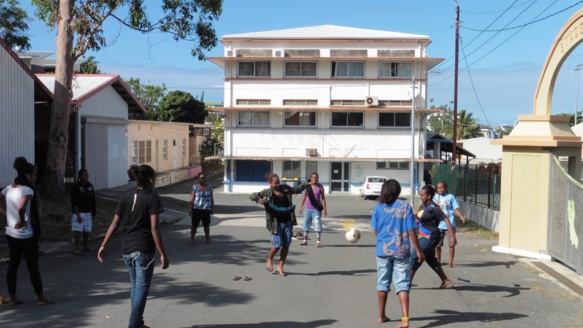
(529,152)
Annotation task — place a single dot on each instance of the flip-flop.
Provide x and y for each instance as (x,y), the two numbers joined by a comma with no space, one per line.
(247,278)
(236,278)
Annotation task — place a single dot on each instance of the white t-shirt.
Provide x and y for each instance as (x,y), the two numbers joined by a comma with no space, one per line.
(13,196)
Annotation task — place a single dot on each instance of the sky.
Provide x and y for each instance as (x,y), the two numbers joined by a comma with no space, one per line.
(503,47)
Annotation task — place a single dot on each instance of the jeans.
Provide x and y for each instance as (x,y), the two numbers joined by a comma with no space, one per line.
(428,248)
(141,268)
(314,215)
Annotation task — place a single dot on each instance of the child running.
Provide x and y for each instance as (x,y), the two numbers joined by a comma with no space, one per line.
(449,206)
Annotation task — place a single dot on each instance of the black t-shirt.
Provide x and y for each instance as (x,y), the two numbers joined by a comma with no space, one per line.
(134,209)
(83,197)
(281,201)
(429,217)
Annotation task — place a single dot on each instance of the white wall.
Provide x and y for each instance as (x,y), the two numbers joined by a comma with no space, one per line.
(16,116)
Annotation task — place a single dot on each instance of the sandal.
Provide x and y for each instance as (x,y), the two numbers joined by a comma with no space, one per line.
(236,278)
(247,278)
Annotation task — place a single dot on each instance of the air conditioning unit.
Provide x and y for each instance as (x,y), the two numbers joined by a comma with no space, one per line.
(278,53)
(372,101)
(230,53)
(312,152)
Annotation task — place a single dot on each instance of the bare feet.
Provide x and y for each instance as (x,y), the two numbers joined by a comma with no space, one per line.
(269,265)
(450,265)
(44,301)
(444,284)
(280,271)
(14,301)
(384,319)
(404,323)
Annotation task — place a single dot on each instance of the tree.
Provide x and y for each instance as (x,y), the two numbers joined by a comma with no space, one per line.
(13,24)
(180,106)
(90,66)
(466,127)
(149,96)
(438,121)
(80,29)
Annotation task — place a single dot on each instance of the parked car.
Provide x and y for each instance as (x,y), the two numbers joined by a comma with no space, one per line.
(371,187)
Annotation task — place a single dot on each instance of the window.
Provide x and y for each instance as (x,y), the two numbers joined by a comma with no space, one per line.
(141,151)
(341,102)
(392,165)
(394,120)
(291,170)
(300,102)
(253,101)
(250,170)
(395,69)
(183,148)
(347,69)
(165,149)
(347,119)
(300,69)
(300,119)
(254,69)
(254,118)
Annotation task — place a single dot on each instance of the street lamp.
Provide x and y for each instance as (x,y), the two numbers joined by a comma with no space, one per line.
(577,69)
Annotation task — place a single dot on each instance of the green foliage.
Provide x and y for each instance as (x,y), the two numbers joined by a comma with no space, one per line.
(572,118)
(180,106)
(13,24)
(188,20)
(467,126)
(149,96)
(90,66)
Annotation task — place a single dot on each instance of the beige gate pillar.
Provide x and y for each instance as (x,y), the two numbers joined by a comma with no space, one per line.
(527,153)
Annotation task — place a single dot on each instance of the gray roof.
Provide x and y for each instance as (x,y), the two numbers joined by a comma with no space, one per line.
(327,32)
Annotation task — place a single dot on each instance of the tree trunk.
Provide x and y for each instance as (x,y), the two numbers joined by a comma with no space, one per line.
(54,176)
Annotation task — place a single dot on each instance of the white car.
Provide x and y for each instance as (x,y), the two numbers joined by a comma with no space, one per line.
(371,187)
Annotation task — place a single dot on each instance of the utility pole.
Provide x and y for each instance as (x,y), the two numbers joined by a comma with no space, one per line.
(412,163)
(455,83)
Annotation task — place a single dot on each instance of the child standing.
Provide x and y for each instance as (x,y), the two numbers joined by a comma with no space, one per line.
(315,208)
(449,206)
(84,209)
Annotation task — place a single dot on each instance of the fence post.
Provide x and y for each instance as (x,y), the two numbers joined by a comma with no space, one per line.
(489,190)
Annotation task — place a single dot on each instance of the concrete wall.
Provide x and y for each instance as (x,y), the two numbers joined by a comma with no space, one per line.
(482,215)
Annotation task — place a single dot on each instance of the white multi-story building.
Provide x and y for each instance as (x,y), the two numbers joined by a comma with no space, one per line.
(330,99)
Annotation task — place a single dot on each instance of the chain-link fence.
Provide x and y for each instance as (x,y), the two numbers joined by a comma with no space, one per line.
(473,183)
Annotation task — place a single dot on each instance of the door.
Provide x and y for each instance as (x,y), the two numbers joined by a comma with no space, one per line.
(340,176)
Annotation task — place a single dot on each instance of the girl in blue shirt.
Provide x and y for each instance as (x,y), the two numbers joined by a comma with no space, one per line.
(449,206)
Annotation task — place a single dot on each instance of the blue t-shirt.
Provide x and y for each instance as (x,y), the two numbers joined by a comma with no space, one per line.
(448,204)
(392,224)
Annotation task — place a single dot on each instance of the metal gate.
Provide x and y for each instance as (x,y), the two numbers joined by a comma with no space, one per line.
(565,240)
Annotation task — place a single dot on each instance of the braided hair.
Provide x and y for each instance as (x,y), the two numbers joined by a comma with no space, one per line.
(23,170)
(145,178)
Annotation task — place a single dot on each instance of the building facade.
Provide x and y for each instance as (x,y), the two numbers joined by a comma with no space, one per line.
(334,100)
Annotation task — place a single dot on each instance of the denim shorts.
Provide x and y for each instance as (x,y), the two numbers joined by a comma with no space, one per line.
(283,236)
(395,270)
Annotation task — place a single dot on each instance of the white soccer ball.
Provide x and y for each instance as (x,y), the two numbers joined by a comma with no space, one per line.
(353,235)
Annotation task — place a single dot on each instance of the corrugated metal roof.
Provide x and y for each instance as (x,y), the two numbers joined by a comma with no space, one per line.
(82,84)
(327,32)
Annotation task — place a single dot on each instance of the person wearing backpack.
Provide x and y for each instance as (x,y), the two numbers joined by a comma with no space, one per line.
(315,209)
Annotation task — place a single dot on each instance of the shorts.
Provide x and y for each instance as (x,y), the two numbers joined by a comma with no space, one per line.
(201,215)
(395,270)
(442,237)
(283,236)
(314,215)
(84,226)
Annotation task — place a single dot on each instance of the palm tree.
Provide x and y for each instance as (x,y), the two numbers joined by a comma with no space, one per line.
(466,127)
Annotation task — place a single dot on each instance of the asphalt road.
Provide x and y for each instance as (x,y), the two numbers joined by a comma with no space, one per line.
(332,286)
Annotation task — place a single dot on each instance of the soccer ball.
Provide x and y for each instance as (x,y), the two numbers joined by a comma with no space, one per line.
(353,235)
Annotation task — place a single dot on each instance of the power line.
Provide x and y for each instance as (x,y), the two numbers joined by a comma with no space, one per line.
(496,11)
(524,25)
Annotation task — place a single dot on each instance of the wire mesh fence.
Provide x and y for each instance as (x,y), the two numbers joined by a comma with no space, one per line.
(473,183)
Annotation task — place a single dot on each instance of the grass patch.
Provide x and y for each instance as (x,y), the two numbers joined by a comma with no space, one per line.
(474,228)
(56,219)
